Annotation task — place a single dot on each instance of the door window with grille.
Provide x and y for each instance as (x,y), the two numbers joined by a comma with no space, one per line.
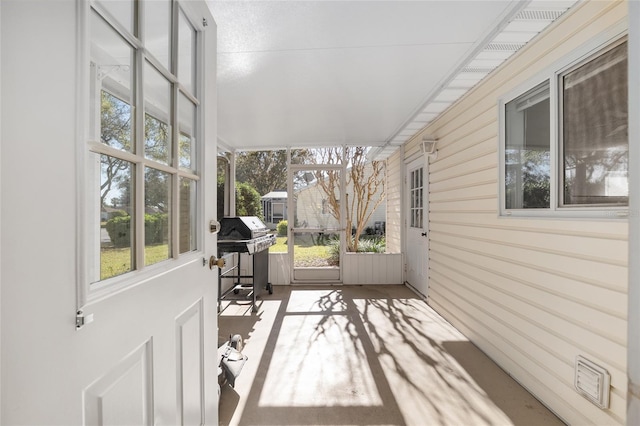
(416,197)
(143,137)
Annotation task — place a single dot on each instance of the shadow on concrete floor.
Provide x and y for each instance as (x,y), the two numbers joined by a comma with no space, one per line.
(363,355)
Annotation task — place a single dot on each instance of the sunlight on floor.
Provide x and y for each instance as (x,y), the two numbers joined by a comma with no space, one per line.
(363,355)
(319,361)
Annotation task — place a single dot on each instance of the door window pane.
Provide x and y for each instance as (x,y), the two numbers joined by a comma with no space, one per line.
(416,198)
(595,132)
(157,141)
(157,30)
(115,122)
(186,126)
(122,11)
(527,150)
(187,215)
(111,60)
(157,190)
(116,223)
(186,53)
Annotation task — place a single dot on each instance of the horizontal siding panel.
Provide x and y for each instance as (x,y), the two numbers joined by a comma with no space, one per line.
(459,166)
(476,125)
(543,348)
(393,192)
(599,229)
(474,177)
(413,148)
(556,393)
(612,251)
(596,297)
(472,205)
(599,274)
(480,190)
(540,306)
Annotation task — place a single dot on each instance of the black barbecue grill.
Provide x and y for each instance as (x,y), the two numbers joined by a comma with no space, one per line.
(245,234)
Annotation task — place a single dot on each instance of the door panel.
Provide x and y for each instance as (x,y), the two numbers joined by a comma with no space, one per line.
(190,365)
(417,224)
(124,394)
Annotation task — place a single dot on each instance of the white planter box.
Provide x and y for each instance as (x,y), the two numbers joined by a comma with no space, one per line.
(357,268)
(372,268)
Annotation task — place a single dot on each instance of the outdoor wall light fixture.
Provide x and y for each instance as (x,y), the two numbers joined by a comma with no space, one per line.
(429,147)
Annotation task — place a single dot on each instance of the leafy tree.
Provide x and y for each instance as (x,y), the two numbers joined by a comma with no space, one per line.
(365,181)
(247,200)
(115,131)
(266,171)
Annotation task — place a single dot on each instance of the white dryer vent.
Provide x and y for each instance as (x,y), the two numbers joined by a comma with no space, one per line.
(593,382)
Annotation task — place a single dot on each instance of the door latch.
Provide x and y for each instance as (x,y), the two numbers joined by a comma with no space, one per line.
(82,319)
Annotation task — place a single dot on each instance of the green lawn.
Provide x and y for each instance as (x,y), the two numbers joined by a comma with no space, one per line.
(280,246)
(117,261)
(307,254)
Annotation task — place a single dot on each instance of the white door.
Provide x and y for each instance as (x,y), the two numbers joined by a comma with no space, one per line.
(146,353)
(417,225)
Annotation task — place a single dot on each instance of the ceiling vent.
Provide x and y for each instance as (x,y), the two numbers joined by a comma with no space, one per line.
(593,382)
(539,15)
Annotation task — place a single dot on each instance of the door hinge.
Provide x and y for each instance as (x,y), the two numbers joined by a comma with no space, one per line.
(82,319)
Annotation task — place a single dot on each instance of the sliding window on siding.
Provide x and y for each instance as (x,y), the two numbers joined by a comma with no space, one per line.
(565,151)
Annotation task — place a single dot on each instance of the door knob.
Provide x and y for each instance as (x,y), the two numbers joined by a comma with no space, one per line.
(424,234)
(213,261)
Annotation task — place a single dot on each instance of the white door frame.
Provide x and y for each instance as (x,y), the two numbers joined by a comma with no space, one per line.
(314,274)
(410,165)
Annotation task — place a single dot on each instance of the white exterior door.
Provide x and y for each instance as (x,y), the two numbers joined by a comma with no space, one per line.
(146,353)
(417,225)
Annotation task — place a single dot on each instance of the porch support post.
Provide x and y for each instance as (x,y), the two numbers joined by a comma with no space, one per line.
(232,184)
(633,350)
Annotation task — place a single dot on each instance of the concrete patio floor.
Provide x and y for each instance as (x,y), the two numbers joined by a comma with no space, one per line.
(363,355)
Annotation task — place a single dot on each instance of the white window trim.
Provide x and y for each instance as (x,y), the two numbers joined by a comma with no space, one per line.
(552,74)
(87,291)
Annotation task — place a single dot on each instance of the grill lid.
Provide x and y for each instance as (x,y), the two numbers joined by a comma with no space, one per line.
(241,228)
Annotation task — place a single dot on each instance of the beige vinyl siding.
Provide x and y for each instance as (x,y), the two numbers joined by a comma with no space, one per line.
(532,293)
(393,191)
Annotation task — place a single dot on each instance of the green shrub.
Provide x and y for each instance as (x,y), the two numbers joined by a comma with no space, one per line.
(247,200)
(334,251)
(119,230)
(118,213)
(282,228)
(155,226)
(371,244)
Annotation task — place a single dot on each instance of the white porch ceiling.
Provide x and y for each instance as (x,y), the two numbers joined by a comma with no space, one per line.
(373,73)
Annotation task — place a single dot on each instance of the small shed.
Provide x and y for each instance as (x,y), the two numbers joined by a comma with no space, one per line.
(274,206)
